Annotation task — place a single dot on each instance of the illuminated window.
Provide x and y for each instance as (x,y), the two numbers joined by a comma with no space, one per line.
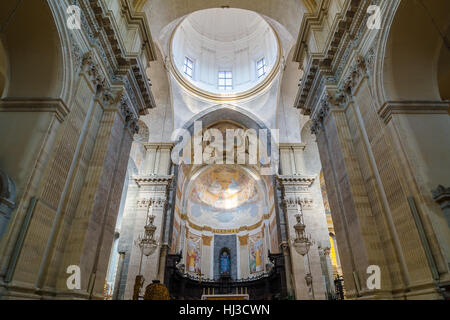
(225,80)
(188,67)
(261,67)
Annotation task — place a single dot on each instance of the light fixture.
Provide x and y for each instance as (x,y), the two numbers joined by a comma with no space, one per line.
(302,242)
(146,241)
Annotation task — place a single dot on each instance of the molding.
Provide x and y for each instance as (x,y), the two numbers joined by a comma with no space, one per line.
(160,145)
(50,105)
(309,22)
(153,180)
(328,66)
(139,18)
(390,108)
(287,145)
(296,180)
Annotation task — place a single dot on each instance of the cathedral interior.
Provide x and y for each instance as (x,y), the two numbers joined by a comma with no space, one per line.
(224,149)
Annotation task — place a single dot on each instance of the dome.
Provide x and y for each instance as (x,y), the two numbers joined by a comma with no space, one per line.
(224,52)
(224,197)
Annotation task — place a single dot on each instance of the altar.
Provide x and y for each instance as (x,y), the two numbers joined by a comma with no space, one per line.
(215,297)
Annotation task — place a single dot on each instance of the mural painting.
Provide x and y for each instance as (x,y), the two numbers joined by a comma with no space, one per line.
(225,197)
(193,263)
(256,248)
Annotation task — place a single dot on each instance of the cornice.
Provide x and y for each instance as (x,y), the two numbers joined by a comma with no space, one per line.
(161,145)
(122,67)
(156,179)
(51,105)
(309,21)
(296,179)
(287,145)
(390,108)
(139,18)
(323,66)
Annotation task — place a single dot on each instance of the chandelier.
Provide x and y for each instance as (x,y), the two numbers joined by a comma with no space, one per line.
(302,242)
(146,241)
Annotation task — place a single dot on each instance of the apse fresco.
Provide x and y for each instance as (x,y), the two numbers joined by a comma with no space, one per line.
(193,254)
(256,253)
(224,197)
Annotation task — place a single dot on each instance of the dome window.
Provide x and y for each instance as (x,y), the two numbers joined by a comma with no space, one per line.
(261,68)
(225,80)
(188,67)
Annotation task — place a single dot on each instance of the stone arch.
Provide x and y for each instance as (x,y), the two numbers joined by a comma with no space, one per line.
(240,116)
(3,68)
(33,42)
(415,60)
(288,14)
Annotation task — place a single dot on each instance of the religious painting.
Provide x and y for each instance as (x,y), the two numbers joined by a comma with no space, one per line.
(256,250)
(224,262)
(193,264)
(175,238)
(274,235)
(224,197)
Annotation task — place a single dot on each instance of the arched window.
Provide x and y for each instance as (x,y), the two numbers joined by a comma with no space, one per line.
(225,262)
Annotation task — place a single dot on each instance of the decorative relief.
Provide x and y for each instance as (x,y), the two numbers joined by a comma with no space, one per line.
(101,30)
(131,119)
(154,202)
(329,68)
(342,96)
(90,67)
(293,202)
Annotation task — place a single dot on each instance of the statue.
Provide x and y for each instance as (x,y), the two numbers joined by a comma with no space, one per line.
(225,266)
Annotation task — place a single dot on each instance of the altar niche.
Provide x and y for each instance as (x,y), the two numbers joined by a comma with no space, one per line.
(224,242)
(225,262)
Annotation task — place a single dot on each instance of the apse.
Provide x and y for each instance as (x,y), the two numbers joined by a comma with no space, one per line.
(224,197)
(224,51)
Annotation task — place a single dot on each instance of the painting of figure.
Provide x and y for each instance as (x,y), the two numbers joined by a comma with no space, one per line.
(225,266)
(256,254)
(193,255)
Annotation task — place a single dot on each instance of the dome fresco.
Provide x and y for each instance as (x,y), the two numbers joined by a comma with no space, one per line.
(224,197)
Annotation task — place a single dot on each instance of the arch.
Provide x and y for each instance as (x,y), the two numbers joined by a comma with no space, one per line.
(240,116)
(33,37)
(412,53)
(289,14)
(3,68)
(226,112)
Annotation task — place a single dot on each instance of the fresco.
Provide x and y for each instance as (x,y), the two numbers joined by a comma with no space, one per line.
(256,249)
(193,254)
(224,197)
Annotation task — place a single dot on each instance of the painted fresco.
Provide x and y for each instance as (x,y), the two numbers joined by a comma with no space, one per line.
(256,250)
(224,197)
(193,263)
(274,235)
(175,237)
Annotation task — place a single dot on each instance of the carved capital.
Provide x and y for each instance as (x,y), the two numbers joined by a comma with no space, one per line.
(130,118)
(206,240)
(243,240)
